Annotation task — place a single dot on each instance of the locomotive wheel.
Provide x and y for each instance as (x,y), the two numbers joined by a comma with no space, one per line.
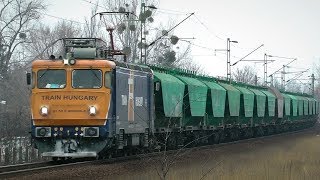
(222,136)
(98,156)
(216,138)
(109,156)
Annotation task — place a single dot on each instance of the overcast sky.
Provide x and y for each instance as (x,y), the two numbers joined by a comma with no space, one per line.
(287,28)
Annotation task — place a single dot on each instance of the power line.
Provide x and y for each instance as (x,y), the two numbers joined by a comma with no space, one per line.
(171,29)
(62,18)
(94,4)
(206,27)
(170,11)
(214,34)
(203,55)
(204,47)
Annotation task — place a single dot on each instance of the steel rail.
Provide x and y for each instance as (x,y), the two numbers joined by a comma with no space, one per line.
(14,170)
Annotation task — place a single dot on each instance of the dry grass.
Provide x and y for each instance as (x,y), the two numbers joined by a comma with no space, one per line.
(298,159)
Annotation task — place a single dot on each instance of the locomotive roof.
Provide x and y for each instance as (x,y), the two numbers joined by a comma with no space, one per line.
(138,67)
(80,62)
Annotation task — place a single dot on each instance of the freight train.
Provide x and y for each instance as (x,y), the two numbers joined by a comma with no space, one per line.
(87,104)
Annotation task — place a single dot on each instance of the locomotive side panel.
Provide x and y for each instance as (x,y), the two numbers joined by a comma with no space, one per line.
(132,101)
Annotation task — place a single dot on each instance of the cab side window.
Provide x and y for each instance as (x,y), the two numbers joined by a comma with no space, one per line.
(108,79)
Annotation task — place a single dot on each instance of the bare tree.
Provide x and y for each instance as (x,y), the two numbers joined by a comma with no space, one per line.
(15,119)
(43,39)
(168,52)
(294,86)
(245,75)
(277,84)
(16,20)
(93,27)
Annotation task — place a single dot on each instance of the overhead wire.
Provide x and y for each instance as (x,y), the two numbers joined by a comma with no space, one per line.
(97,4)
(61,18)
(214,34)
(172,11)
(204,47)
(206,27)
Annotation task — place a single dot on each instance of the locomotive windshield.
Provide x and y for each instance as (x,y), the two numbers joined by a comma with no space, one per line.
(51,78)
(87,78)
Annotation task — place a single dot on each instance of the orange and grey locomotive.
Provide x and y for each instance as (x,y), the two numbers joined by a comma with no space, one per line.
(83,105)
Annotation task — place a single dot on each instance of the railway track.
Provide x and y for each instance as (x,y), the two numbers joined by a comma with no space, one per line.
(12,170)
(21,169)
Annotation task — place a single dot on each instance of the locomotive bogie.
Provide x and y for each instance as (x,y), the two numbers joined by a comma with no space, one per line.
(80,141)
(71,147)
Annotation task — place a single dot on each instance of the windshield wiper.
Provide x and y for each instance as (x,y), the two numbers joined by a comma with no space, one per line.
(95,74)
(44,73)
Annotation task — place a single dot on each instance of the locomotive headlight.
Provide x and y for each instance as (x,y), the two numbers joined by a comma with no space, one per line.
(44,111)
(91,132)
(43,131)
(72,61)
(92,110)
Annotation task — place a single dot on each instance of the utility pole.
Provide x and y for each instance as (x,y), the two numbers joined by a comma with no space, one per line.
(143,35)
(312,84)
(228,61)
(283,74)
(271,80)
(265,69)
(255,80)
(228,58)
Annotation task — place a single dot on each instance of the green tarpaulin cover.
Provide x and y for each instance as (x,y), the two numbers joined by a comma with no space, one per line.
(286,103)
(300,105)
(305,106)
(218,98)
(172,92)
(197,92)
(310,105)
(261,102)
(294,101)
(271,102)
(233,99)
(248,100)
(313,106)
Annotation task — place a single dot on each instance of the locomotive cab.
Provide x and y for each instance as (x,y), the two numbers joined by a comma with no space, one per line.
(70,102)
(84,105)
